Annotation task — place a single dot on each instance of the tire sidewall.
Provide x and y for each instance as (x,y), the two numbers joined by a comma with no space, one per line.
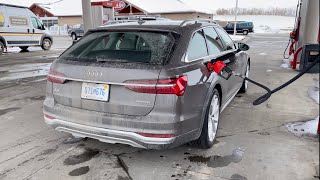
(43,46)
(1,48)
(245,32)
(74,36)
(243,88)
(205,125)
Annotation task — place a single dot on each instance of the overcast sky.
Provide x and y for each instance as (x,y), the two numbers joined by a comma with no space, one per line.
(207,4)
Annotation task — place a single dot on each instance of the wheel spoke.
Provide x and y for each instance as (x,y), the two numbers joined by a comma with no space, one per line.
(213,117)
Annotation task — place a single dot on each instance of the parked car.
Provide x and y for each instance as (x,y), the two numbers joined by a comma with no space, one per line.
(76,31)
(145,84)
(242,27)
(19,27)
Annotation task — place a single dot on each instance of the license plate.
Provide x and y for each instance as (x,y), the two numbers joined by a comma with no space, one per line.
(93,91)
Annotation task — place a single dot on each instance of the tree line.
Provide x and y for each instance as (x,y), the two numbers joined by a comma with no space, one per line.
(258,11)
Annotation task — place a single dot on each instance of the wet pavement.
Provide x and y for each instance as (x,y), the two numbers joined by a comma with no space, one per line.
(253,142)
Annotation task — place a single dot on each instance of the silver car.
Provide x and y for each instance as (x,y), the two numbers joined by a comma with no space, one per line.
(145,84)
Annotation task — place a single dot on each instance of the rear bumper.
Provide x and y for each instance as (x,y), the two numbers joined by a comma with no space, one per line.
(123,129)
(108,135)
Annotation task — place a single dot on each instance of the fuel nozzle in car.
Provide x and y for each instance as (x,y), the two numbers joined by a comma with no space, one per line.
(222,70)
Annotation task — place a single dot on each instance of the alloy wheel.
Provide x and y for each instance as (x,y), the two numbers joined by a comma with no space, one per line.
(213,117)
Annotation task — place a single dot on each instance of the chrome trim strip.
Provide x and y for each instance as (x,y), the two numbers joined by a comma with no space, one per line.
(124,135)
(112,83)
(229,100)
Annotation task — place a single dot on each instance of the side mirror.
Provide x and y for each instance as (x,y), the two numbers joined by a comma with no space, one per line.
(243,47)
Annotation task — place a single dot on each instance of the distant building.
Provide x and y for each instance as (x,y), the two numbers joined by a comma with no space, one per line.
(55,15)
(171,9)
(59,14)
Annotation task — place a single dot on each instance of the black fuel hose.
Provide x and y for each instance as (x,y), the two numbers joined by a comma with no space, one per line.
(265,97)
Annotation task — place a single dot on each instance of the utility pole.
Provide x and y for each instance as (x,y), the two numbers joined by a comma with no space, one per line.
(235,19)
(86,11)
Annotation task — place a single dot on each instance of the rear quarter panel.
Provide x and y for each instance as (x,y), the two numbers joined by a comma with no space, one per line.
(191,106)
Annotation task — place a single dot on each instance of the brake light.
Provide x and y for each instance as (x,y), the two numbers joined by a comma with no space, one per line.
(175,86)
(56,77)
(157,135)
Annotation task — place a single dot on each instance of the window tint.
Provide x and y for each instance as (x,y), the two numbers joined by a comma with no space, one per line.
(34,23)
(213,41)
(197,47)
(226,39)
(122,47)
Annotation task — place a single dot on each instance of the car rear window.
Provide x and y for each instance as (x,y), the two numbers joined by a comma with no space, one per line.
(122,47)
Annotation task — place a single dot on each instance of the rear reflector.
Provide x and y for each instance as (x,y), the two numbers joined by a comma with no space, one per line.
(175,86)
(157,135)
(56,77)
(49,117)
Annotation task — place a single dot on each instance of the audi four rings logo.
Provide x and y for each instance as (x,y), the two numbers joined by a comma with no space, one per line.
(93,73)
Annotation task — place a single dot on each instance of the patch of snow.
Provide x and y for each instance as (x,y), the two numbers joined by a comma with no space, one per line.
(308,128)
(20,71)
(286,63)
(263,54)
(269,70)
(313,92)
(237,38)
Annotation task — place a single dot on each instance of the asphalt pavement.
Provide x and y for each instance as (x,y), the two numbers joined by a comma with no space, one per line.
(253,141)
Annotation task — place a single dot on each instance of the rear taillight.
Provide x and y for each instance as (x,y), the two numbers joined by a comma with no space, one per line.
(175,86)
(157,135)
(56,77)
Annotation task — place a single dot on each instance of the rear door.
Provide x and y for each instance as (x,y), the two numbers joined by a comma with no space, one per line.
(111,62)
(233,62)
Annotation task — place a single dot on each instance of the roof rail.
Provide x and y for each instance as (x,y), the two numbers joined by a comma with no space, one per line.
(197,20)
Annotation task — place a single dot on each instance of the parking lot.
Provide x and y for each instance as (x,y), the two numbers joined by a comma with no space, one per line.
(253,141)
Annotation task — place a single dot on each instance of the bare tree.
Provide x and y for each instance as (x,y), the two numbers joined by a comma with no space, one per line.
(258,11)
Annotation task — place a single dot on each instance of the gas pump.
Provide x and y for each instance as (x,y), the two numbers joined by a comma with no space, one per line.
(305,36)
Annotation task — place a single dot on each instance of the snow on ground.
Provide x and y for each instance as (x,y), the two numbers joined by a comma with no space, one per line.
(313,92)
(308,128)
(20,71)
(286,63)
(237,38)
(264,23)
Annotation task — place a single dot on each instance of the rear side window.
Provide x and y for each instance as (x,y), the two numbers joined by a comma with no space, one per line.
(197,47)
(226,39)
(213,41)
(123,47)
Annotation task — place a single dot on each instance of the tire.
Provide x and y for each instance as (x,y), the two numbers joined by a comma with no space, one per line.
(46,44)
(74,36)
(245,32)
(244,87)
(24,48)
(1,47)
(210,124)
